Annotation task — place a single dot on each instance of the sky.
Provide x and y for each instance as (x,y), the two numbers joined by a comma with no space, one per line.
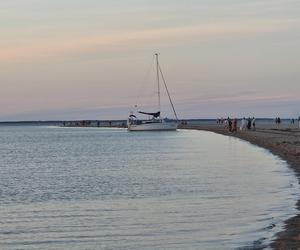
(93,59)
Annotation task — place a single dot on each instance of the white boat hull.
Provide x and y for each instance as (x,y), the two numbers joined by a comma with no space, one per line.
(159,126)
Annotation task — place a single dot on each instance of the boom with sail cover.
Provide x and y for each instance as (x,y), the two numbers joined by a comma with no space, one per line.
(156,115)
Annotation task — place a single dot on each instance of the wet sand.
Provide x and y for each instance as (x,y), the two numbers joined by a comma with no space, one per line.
(283,141)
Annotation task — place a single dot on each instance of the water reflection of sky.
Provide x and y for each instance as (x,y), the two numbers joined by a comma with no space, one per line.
(80,188)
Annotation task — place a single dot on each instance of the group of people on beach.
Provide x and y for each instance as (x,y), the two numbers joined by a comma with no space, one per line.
(232,124)
(248,123)
(277,120)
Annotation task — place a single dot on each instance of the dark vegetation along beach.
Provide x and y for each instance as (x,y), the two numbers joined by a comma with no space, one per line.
(283,141)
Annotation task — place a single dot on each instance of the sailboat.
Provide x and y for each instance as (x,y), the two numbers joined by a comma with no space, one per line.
(155,123)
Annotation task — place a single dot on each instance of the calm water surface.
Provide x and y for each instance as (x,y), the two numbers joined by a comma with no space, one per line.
(85,188)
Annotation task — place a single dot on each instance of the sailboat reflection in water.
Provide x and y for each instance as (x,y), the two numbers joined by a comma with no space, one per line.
(155,123)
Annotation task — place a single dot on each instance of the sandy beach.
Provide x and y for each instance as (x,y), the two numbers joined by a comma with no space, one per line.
(283,141)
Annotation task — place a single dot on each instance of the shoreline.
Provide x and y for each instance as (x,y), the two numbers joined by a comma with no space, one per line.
(281,141)
(284,143)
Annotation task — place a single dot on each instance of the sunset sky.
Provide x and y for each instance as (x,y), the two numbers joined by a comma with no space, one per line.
(90,59)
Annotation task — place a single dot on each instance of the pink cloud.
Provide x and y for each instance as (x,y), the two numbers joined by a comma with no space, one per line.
(39,49)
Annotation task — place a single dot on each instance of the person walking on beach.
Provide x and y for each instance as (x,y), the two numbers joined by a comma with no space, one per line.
(234,129)
(253,123)
(226,124)
(229,124)
(249,123)
(243,124)
(277,121)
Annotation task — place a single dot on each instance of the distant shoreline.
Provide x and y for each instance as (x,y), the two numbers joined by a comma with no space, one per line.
(284,142)
(116,122)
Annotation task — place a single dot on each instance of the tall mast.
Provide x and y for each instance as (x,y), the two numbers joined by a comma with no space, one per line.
(158,85)
(164,81)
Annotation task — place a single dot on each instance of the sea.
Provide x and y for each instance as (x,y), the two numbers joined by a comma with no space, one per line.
(107,188)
